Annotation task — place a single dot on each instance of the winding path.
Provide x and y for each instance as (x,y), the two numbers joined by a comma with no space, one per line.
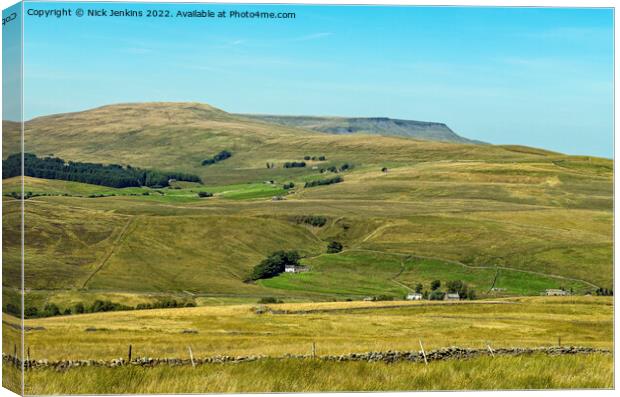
(107,256)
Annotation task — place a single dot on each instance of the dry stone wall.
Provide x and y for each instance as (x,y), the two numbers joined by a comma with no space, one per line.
(449,353)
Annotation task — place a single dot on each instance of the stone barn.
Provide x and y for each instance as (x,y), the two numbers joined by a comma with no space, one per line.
(556,292)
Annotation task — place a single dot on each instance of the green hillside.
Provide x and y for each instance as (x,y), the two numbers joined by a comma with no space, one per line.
(179,137)
(515,218)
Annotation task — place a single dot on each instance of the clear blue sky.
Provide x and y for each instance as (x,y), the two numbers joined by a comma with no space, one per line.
(533,76)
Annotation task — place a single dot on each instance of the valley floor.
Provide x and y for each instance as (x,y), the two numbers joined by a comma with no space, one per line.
(333,327)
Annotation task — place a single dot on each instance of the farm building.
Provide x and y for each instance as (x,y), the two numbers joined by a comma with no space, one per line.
(452,297)
(414,296)
(556,292)
(369,299)
(295,269)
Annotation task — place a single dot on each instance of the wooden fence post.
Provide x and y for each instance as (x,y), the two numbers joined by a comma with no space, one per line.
(423,352)
(491,350)
(313,350)
(129,355)
(559,341)
(191,356)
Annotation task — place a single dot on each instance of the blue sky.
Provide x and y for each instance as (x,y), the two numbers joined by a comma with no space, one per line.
(532,76)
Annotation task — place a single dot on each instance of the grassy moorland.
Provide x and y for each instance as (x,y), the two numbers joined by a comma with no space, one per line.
(407,212)
(516,218)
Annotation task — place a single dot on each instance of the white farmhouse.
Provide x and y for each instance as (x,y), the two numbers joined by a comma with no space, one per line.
(452,297)
(295,269)
(414,296)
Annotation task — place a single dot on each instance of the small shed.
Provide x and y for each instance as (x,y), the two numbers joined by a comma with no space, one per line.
(556,292)
(452,297)
(414,296)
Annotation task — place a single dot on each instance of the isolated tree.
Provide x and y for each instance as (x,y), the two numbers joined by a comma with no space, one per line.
(457,286)
(436,296)
(418,288)
(435,285)
(334,247)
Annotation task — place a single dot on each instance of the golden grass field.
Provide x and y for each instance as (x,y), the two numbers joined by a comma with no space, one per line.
(340,327)
(484,373)
(355,327)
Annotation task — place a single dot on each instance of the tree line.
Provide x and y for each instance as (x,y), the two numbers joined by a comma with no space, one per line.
(51,309)
(294,164)
(604,292)
(452,287)
(111,175)
(223,155)
(344,167)
(322,182)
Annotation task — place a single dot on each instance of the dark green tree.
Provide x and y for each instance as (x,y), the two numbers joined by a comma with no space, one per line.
(51,309)
(436,296)
(78,308)
(31,312)
(274,264)
(334,247)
